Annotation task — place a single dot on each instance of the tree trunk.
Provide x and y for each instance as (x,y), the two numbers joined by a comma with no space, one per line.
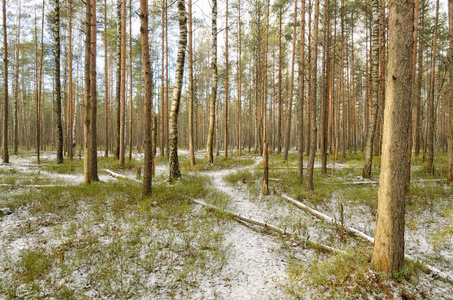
(280,78)
(414,68)
(162,98)
(106,84)
(123,85)
(225,112)
(450,118)
(16,86)
(148,164)
(59,127)
(313,89)
(93,94)
(375,90)
(87,163)
(118,78)
(239,82)
(300,135)
(388,252)
(290,100)
(38,96)
(130,81)
(5,154)
(176,98)
(417,113)
(212,99)
(325,97)
(70,136)
(191,91)
(431,113)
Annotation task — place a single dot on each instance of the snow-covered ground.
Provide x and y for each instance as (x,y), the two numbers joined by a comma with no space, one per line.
(257,267)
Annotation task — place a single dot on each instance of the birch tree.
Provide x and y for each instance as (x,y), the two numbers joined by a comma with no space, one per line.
(176,98)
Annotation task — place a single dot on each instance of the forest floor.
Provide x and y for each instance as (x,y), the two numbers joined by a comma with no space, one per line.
(61,239)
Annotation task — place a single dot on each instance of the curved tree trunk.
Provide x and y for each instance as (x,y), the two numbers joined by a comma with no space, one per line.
(176,98)
(388,252)
(212,99)
(148,165)
(375,90)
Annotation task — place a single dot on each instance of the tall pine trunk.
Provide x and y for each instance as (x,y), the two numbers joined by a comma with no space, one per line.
(16,86)
(191,91)
(87,162)
(300,125)
(313,89)
(57,48)
(290,100)
(123,84)
(388,252)
(106,84)
(431,113)
(148,164)
(118,78)
(93,94)
(450,118)
(5,154)
(212,98)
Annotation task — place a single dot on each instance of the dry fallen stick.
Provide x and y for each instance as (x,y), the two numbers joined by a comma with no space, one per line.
(326,218)
(273,228)
(425,268)
(119,176)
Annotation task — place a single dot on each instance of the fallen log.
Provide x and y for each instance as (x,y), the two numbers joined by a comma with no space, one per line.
(311,244)
(326,218)
(425,268)
(119,176)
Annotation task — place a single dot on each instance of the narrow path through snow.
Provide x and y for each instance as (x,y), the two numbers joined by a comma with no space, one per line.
(255,266)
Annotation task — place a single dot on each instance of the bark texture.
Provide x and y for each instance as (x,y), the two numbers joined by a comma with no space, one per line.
(212,98)
(313,88)
(56,48)
(148,164)
(388,252)
(374,91)
(450,129)
(5,154)
(176,98)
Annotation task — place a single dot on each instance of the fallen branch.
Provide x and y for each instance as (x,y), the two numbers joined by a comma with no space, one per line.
(272,228)
(326,218)
(425,268)
(119,176)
